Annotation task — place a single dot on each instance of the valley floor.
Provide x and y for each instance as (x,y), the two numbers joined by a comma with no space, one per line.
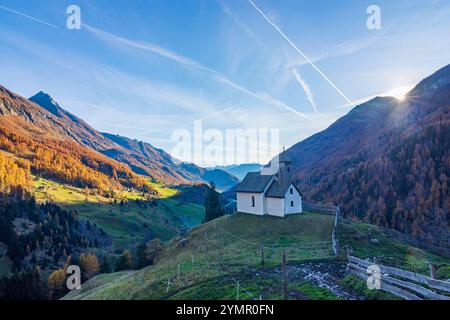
(129,218)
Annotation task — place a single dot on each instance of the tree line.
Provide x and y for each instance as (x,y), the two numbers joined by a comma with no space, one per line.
(43,239)
(405,189)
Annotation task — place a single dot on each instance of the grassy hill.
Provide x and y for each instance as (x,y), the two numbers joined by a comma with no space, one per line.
(136,219)
(367,241)
(213,257)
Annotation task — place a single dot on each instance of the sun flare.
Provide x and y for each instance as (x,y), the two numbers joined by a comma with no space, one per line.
(399,92)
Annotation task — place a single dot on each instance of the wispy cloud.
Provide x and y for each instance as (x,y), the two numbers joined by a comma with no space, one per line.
(144,46)
(268,19)
(305,87)
(190,63)
(160,95)
(342,49)
(247,30)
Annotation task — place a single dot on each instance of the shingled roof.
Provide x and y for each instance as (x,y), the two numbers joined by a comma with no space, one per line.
(278,189)
(253,182)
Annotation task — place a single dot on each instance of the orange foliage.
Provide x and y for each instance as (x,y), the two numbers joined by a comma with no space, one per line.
(70,163)
(14,175)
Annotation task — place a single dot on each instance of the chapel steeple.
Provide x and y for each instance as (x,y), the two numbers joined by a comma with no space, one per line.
(285,163)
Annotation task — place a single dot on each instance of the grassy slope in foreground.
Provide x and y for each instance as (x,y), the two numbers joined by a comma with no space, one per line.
(128,224)
(359,237)
(210,244)
(208,278)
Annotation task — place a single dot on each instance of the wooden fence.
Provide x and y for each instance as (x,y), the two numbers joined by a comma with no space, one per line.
(332,210)
(402,283)
(319,208)
(443,249)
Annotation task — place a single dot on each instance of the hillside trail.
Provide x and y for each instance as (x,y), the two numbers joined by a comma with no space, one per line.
(324,274)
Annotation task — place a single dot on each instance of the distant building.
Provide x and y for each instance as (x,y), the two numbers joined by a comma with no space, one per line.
(272,194)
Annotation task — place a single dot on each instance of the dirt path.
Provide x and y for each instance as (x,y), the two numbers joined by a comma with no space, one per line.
(324,274)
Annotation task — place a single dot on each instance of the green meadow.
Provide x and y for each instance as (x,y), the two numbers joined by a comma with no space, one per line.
(130,218)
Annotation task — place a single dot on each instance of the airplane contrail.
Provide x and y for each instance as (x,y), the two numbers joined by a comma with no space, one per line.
(29,17)
(299,51)
(168,54)
(306,88)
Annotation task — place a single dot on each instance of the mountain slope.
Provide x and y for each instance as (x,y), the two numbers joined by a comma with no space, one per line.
(45,144)
(222,179)
(209,268)
(386,161)
(142,157)
(222,259)
(145,159)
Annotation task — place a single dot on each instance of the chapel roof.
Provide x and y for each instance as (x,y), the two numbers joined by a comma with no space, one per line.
(254,182)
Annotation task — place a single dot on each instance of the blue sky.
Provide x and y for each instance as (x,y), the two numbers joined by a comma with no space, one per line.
(146,68)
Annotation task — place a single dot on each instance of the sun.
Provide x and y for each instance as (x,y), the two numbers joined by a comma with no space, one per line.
(399,92)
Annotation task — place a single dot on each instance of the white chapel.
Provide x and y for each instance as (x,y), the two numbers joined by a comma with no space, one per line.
(272,194)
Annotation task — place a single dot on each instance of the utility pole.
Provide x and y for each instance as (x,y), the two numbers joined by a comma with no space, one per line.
(237,291)
(284,271)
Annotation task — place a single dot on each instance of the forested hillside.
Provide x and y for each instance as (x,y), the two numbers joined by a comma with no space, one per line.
(67,162)
(41,239)
(387,162)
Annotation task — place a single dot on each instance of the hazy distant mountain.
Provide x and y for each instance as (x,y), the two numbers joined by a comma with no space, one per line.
(42,115)
(222,179)
(240,170)
(146,159)
(386,161)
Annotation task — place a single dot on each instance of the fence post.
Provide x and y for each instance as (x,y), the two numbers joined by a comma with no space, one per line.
(284,270)
(262,255)
(349,252)
(337,248)
(432,270)
(237,290)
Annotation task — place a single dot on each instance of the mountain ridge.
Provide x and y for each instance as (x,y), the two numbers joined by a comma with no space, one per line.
(384,161)
(41,117)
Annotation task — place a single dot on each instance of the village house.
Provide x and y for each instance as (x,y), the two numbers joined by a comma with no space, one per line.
(271,194)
